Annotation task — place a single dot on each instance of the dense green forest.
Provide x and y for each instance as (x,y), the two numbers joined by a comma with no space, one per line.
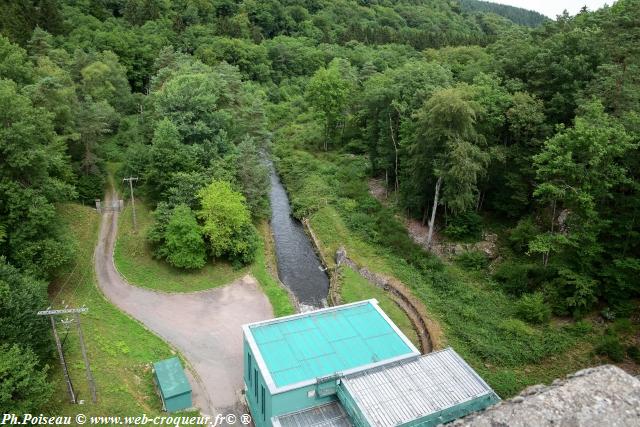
(468,119)
(519,16)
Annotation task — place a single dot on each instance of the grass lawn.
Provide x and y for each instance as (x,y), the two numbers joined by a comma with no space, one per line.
(356,288)
(264,270)
(134,261)
(120,349)
(477,319)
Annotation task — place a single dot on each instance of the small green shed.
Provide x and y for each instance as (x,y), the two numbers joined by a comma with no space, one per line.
(173,386)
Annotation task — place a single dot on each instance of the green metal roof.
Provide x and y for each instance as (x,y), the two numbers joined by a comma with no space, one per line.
(171,378)
(316,344)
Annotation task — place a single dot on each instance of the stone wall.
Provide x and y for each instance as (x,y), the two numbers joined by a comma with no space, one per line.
(398,292)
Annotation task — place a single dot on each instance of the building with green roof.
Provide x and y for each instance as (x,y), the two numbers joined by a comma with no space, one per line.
(349,365)
(172,384)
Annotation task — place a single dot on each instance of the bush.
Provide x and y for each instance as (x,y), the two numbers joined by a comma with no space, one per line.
(611,347)
(517,278)
(623,309)
(634,353)
(472,260)
(623,326)
(580,328)
(157,231)
(533,309)
(184,246)
(227,223)
(522,234)
(465,226)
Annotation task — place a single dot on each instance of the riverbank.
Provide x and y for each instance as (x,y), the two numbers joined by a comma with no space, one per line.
(476,318)
(298,265)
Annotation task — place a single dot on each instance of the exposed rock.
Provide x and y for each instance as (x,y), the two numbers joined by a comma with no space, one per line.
(602,396)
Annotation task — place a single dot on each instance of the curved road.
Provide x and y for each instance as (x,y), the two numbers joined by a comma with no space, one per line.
(204,326)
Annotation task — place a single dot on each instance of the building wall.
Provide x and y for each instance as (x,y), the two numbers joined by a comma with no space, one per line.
(278,404)
(349,405)
(179,402)
(257,391)
(454,412)
(298,399)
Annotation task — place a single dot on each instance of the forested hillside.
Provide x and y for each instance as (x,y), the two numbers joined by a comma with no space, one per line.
(519,16)
(472,123)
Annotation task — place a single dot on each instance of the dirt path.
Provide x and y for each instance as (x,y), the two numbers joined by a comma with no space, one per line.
(204,326)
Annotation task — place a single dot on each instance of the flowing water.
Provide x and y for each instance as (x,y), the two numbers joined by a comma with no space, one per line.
(298,265)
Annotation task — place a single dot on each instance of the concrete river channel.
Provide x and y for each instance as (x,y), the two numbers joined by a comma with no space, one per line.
(299,267)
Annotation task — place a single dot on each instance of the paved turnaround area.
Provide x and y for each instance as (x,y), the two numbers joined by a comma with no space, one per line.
(204,326)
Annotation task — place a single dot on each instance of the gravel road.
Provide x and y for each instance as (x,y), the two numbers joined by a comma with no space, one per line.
(204,326)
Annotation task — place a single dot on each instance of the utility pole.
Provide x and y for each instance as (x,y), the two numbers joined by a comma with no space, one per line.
(76,312)
(87,367)
(133,201)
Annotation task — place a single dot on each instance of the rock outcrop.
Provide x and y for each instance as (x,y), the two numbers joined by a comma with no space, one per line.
(602,396)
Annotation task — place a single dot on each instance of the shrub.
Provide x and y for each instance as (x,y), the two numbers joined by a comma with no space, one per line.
(472,260)
(580,328)
(611,347)
(184,246)
(517,278)
(623,326)
(465,226)
(533,309)
(522,234)
(314,194)
(634,353)
(156,233)
(227,223)
(623,309)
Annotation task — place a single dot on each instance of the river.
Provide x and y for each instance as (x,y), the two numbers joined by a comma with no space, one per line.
(298,265)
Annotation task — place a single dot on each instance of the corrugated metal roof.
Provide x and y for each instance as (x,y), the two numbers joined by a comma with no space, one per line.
(404,391)
(320,343)
(329,415)
(171,378)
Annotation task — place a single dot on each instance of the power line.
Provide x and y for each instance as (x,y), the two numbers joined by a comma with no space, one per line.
(65,282)
(76,312)
(133,200)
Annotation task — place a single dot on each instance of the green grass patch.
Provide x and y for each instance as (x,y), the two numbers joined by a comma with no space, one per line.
(134,260)
(263,269)
(120,349)
(354,288)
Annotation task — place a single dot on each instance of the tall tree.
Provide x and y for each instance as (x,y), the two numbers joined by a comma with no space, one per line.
(167,156)
(329,92)
(34,173)
(446,151)
(578,171)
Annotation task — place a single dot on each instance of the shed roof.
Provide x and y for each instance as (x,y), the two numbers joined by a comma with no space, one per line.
(315,344)
(171,378)
(440,384)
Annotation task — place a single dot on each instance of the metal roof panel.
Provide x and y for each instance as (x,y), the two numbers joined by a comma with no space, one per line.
(410,389)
